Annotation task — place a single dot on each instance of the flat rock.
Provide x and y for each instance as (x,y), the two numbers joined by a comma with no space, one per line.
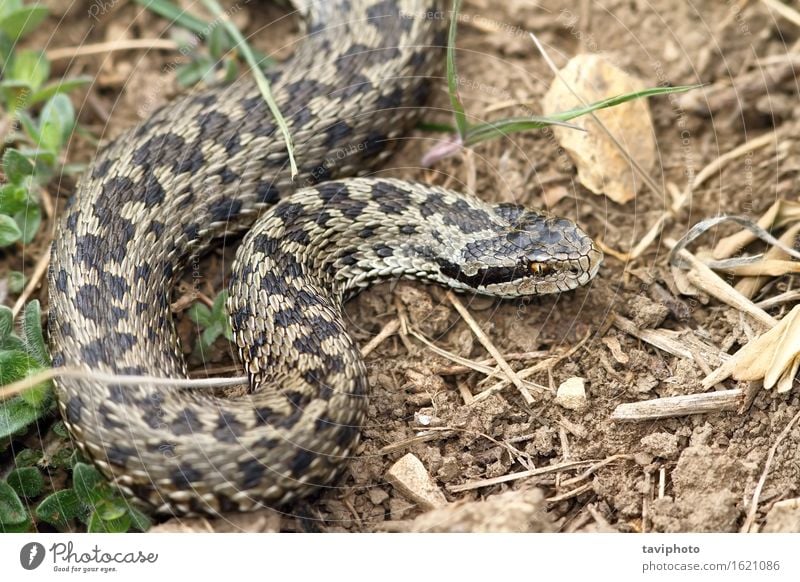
(411,479)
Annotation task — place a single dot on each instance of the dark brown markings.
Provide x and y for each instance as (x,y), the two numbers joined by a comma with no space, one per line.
(336,137)
(157,228)
(105,412)
(153,191)
(119,454)
(75,408)
(301,461)
(390,100)
(288,211)
(100,170)
(163,149)
(225,209)
(267,192)
(353,209)
(61,280)
(186,423)
(252,471)
(332,191)
(383,250)
(184,475)
(229,429)
(107,350)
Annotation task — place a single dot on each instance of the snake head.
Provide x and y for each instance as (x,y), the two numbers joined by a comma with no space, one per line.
(557,255)
(531,254)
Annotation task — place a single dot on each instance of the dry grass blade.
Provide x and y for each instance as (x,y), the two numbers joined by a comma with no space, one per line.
(19,386)
(478,367)
(702,277)
(773,357)
(781,213)
(490,347)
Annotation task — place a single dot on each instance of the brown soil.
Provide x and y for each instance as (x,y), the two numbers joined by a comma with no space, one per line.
(706,465)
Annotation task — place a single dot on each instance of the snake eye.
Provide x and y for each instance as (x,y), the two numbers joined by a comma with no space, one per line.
(541,269)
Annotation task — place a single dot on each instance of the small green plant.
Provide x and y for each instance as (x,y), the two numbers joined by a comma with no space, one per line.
(24,85)
(91,501)
(22,355)
(214,322)
(215,66)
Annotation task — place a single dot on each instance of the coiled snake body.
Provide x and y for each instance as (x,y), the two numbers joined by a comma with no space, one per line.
(207,165)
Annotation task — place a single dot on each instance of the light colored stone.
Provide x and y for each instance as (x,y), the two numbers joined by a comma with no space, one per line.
(411,479)
(571,394)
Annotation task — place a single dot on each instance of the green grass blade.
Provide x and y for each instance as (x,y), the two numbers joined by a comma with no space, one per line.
(493,129)
(452,76)
(261,80)
(177,15)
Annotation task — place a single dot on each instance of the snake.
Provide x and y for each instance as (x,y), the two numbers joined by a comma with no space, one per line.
(213,164)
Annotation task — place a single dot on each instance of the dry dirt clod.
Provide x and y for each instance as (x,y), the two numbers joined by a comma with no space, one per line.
(571,394)
(784,517)
(410,478)
(602,168)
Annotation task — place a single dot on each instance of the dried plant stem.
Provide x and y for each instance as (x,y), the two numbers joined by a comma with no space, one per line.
(21,385)
(490,347)
(36,277)
(100,48)
(724,400)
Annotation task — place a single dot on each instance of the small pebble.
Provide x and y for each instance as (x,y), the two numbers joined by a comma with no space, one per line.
(572,394)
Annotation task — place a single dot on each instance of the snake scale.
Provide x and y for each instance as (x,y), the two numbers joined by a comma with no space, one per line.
(212,163)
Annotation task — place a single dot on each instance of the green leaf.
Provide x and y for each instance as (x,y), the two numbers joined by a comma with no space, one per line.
(40,396)
(200,314)
(59,507)
(54,88)
(17,23)
(98,525)
(16,415)
(6,321)
(191,73)
(28,221)
(15,365)
(30,67)
(13,198)
(26,481)
(9,231)
(210,334)
(56,123)
(33,335)
(111,509)
(62,458)
(61,430)
(29,125)
(139,520)
(87,482)
(218,307)
(218,43)
(27,458)
(16,166)
(16,281)
(12,511)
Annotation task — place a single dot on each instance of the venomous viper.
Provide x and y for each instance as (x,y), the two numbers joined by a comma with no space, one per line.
(209,164)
